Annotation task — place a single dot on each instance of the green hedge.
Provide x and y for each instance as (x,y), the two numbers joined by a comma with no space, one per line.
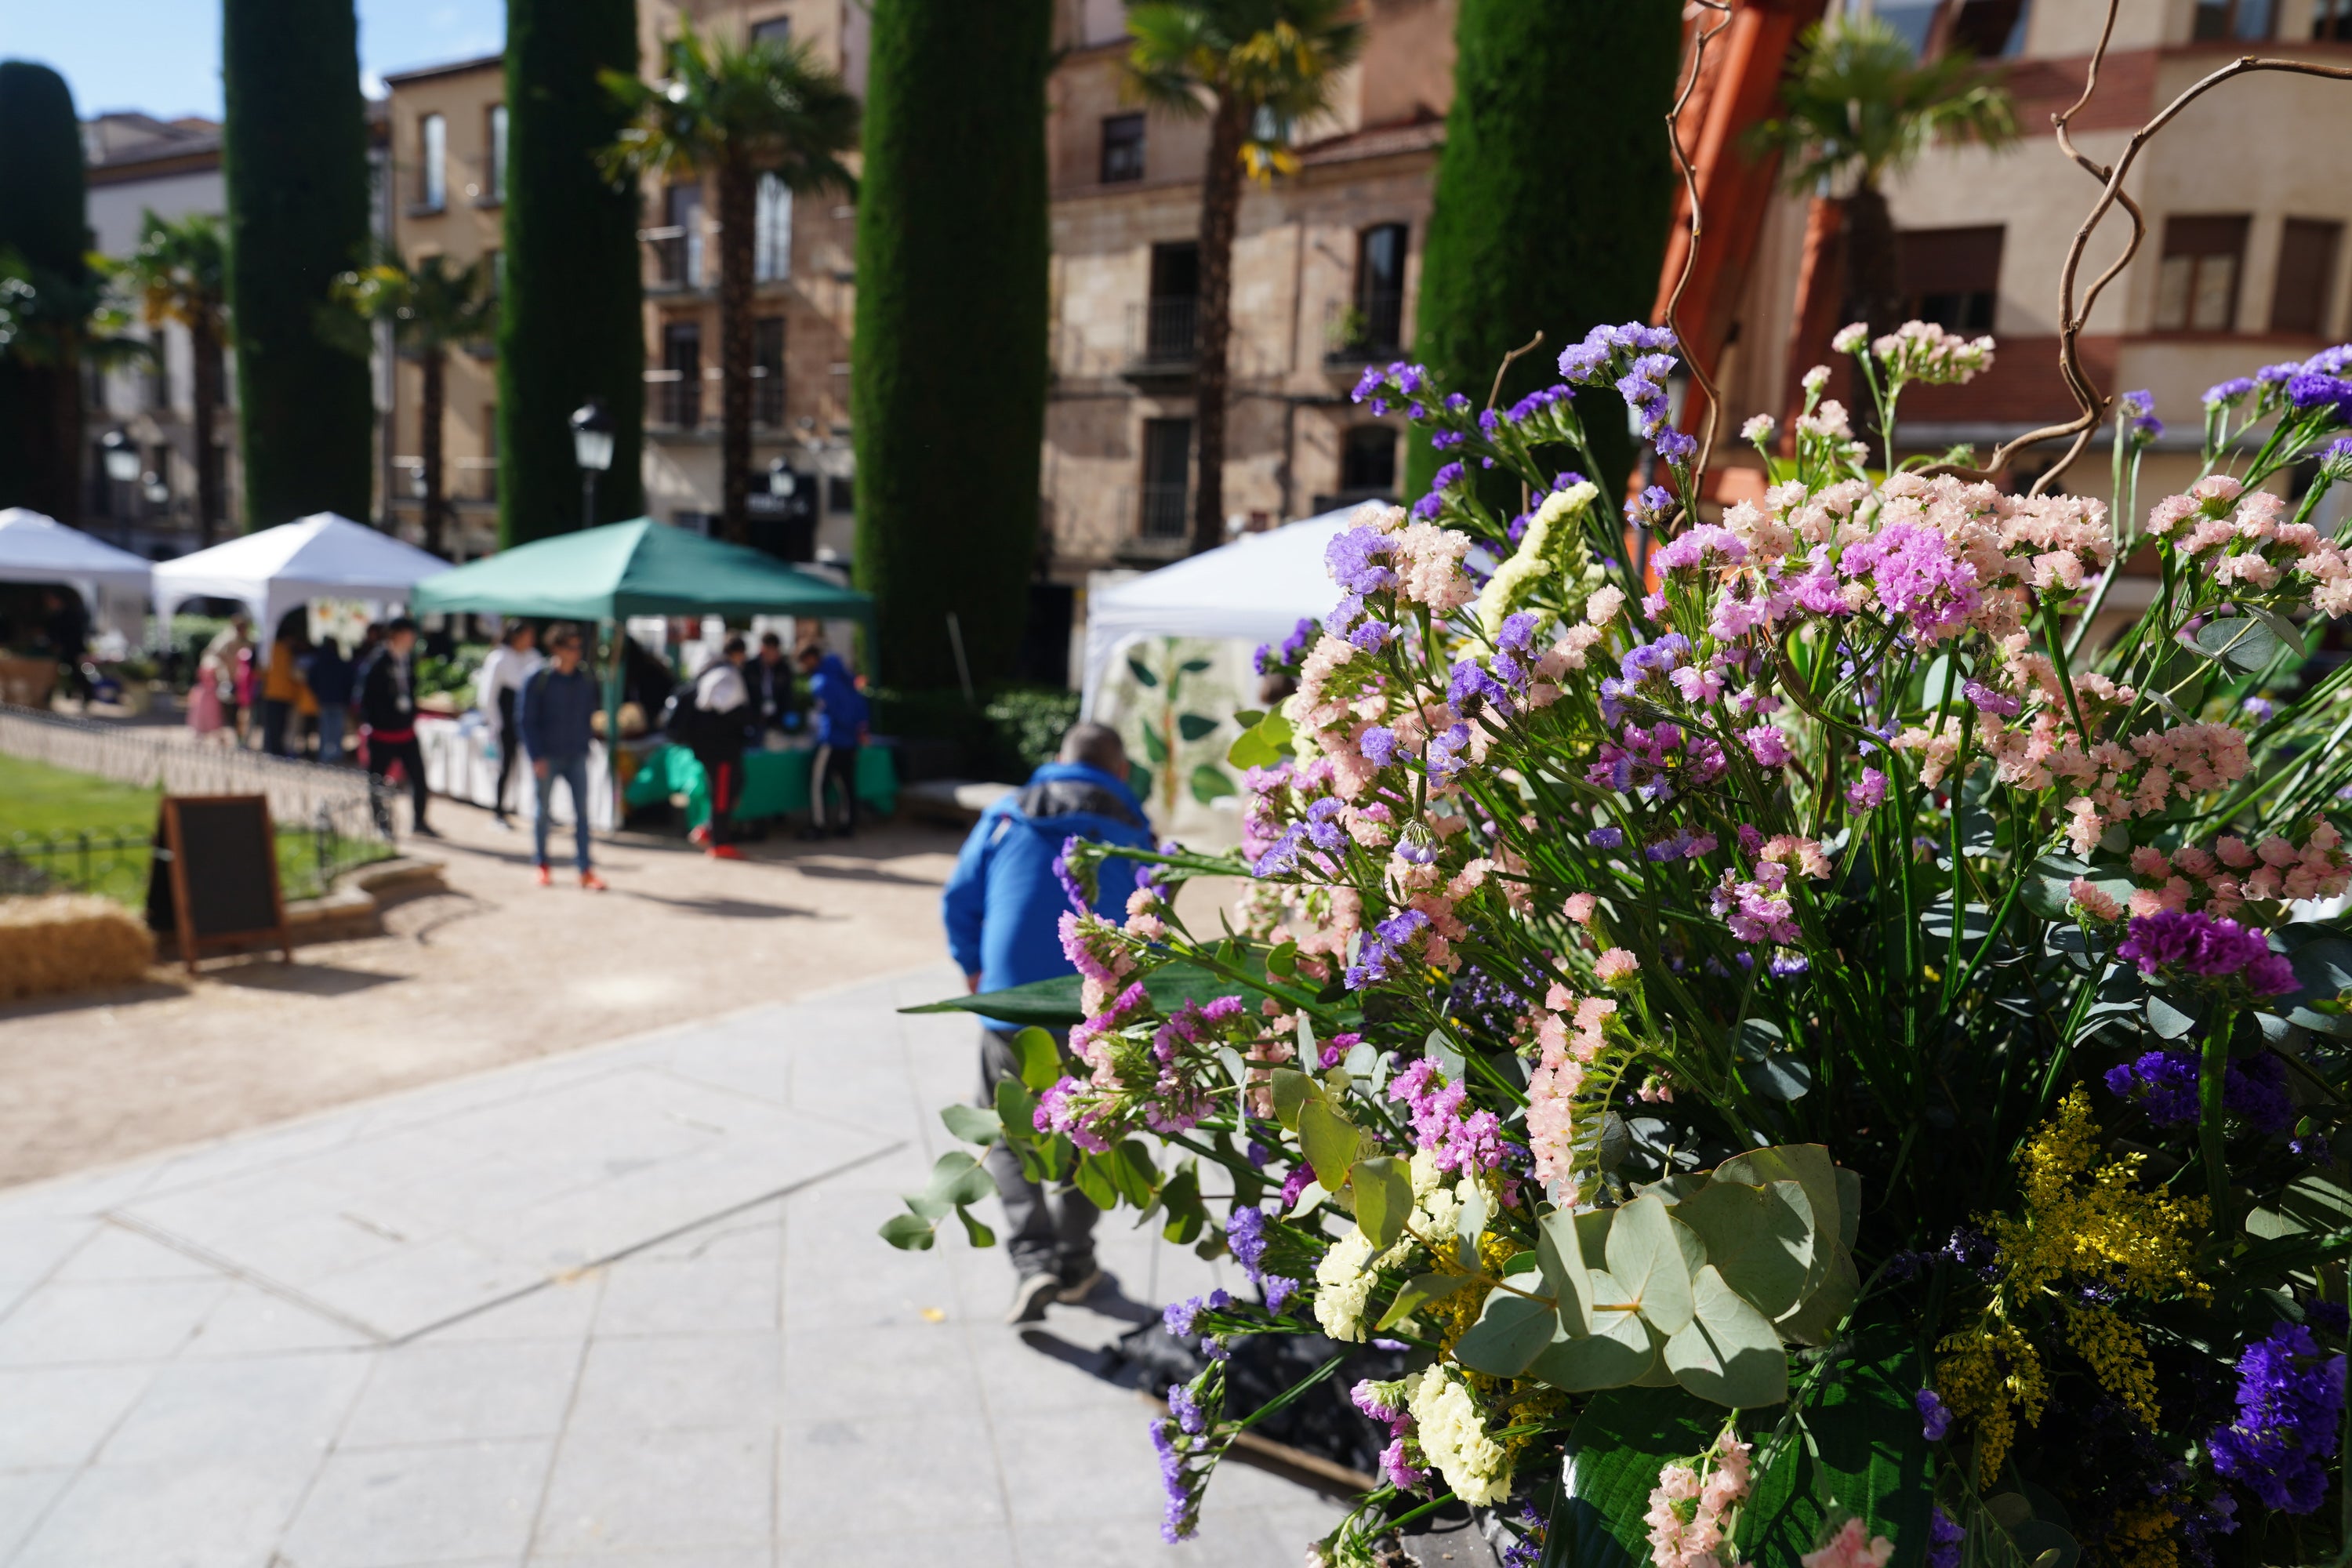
(1552,199)
(570,324)
(1007,736)
(42,219)
(947,381)
(294,153)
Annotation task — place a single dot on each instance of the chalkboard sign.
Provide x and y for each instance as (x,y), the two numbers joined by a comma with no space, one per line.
(216,857)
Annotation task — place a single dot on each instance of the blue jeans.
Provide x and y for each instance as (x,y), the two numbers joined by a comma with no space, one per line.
(330,732)
(572,771)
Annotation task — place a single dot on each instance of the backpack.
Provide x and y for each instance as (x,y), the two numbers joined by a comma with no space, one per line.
(684,721)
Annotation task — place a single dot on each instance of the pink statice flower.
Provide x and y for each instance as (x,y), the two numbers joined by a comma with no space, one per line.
(1616,967)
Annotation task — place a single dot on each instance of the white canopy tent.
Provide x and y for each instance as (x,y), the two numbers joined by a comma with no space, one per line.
(1255,588)
(284,568)
(113,582)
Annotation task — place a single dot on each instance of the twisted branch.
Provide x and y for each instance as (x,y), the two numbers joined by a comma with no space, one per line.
(1690,249)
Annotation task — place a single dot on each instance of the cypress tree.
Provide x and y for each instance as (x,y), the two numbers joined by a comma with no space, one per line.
(43,222)
(947,377)
(294,153)
(571,325)
(1554,191)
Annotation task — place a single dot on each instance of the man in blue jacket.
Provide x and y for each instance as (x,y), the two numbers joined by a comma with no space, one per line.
(1003,909)
(555,715)
(841,711)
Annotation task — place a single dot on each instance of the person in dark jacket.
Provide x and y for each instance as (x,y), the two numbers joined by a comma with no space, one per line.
(553,718)
(388,720)
(769,678)
(333,680)
(719,723)
(1003,909)
(841,711)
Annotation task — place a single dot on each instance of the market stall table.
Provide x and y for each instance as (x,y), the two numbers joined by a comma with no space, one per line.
(775,783)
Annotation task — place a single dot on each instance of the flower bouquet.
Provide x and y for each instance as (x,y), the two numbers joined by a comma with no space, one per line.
(1820,1040)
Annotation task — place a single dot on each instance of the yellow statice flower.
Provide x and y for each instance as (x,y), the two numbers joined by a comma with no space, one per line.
(2091,1220)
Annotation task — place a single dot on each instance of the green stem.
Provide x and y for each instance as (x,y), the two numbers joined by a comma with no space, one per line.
(2209,1124)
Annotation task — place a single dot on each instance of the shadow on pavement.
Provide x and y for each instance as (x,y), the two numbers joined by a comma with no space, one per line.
(112,996)
(308,979)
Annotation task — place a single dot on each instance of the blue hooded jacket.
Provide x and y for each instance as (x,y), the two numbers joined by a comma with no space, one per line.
(841,706)
(1003,905)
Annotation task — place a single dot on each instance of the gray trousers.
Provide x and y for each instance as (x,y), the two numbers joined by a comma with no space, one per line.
(1051,1231)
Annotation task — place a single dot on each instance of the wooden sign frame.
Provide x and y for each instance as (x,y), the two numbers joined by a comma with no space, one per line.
(183,918)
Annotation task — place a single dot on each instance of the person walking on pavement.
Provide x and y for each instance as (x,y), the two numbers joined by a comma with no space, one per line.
(281,684)
(553,715)
(497,689)
(388,721)
(841,712)
(721,716)
(1002,909)
(330,677)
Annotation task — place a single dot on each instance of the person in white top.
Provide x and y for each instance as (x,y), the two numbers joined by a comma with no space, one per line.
(719,724)
(495,689)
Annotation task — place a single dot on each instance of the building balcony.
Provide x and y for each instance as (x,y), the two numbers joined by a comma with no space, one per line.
(1163,341)
(1163,516)
(673,400)
(1366,331)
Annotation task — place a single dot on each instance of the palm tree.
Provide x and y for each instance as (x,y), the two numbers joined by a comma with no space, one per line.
(735,113)
(431,308)
(1251,68)
(180,273)
(1859,108)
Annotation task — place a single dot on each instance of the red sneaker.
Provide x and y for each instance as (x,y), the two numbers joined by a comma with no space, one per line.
(701,835)
(725,852)
(592,883)
(541,876)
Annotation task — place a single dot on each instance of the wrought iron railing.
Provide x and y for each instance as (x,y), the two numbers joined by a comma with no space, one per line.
(115,862)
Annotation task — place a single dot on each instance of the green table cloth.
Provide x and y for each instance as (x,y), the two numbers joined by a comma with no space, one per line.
(775,783)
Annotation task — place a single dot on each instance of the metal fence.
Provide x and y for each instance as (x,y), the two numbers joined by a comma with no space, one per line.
(115,863)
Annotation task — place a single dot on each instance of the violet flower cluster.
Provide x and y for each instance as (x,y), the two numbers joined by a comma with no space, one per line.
(2172,944)
(2290,1421)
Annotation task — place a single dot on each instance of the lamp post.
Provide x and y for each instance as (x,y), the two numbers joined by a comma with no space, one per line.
(592,447)
(119,453)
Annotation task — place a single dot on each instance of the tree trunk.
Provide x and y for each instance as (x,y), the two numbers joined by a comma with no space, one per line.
(1873,266)
(429,444)
(205,374)
(1220,196)
(738,195)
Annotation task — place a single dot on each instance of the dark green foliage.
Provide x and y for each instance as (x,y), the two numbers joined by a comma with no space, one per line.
(948,383)
(1553,195)
(294,153)
(42,224)
(572,327)
(1014,730)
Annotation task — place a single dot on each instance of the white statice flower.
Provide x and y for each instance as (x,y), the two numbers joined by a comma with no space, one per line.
(1542,553)
(1451,1434)
(1342,1285)
(1758,428)
(1924,352)
(1828,420)
(1815,379)
(1851,337)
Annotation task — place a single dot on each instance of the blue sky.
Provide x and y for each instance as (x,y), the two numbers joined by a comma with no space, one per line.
(163,55)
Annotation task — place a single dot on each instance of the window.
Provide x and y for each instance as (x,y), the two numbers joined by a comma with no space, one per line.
(680,404)
(1122,148)
(1368,460)
(768,370)
(498,271)
(2306,275)
(1991,29)
(433,162)
(771,231)
(1379,288)
(775,30)
(1914,21)
(2197,282)
(840,494)
(2233,19)
(1952,276)
(1166,462)
(2331,21)
(494,140)
(1172,313)
(681,246)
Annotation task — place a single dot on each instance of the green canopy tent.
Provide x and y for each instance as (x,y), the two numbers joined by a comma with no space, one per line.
(638,568)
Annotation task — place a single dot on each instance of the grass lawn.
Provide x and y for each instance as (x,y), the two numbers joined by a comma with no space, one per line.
(40,804)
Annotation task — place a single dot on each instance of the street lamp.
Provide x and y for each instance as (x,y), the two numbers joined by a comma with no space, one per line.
(158,489)
(592,447)
(120,454)
(781,480)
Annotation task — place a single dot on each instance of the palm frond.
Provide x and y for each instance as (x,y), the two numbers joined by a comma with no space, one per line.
(1861,107)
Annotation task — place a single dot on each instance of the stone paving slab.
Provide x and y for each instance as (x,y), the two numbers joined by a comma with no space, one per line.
(761,1382)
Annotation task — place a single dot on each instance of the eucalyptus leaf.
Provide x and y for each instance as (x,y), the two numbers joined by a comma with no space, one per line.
(1329,1141)
(1809,1165)
(958,1178)
(1291,1089)
(1728,1352)
(1383,1189)
(973,1124)
(1362,1056)
(1511,1331)
(1039,1057)
(2169,1021)
(1210,782)
(1442,1051)
(2280,628)
(1565,1271)
(1618,1350)
(1647,1261)
(1817,1317)
(909,1233)
(979,1235)
(2241,642)
(1760,1238)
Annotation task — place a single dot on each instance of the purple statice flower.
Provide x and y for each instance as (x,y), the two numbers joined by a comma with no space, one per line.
(1399,1470)
(1074,887)
(1282,855)
(1443,758)
(1177,1317)
(1768,745)
(1646,510)
(2338,456)
(2191,943)
(1691,548)
(1674,446)
(1445,440)
(1297,1182)
(2312,390)
(1245,1236)
(2138,411)
(1583,362)
(1357,557)
(1373,636)
(1472,689)
(1445,478)
(1190,1418)
(1368,383)
(1935,1420)
(1271,659)
(1913,567)
(1379,745)
(1334,1051)
(2261,709)
(1181,1516)
(1867,793)
(2165,1084)
(1378,959)
(1278,1289)
(2290,1420)
(1944,1538)
(1606,837)
(1461,1143)
(1999,704)
(2273,374)
(1787,964)
(1259,1155)
(2229,393)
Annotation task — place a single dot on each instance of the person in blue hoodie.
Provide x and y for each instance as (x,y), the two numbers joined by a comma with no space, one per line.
(1003,909)
(841,713)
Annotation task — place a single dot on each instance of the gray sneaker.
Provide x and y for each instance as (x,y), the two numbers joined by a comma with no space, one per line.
(1080,1288)
(1031,1298)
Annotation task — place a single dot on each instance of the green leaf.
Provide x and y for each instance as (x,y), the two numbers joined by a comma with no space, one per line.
(1619,1350)
(1192,726)
(1138,779)
(1511,1330)
(1419,1291)
(1187,1215)
(1383,1199)
(1211,782)
(1016,1109)
(1283,962)
(2281,628)
(1292,1090)
(1471,1223)
(1728,1353)
(958,1178)
(1818,1316)
(1142,673)
(1615,1450)
(909,1232)
(1569,1277)
(1807,1164)
(1866,1455)
(1329,1141)
(1193,665)
(1040,1059)
(1646,1258)
(1155,746)
(973,1124)
(2240,641)
(976,1233)
(1262,744)
(1054,1003)
(1093,1178)
(1132,1171)
(1760,1239)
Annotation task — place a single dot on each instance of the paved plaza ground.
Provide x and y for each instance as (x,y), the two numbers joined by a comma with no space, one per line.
(622,1305)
